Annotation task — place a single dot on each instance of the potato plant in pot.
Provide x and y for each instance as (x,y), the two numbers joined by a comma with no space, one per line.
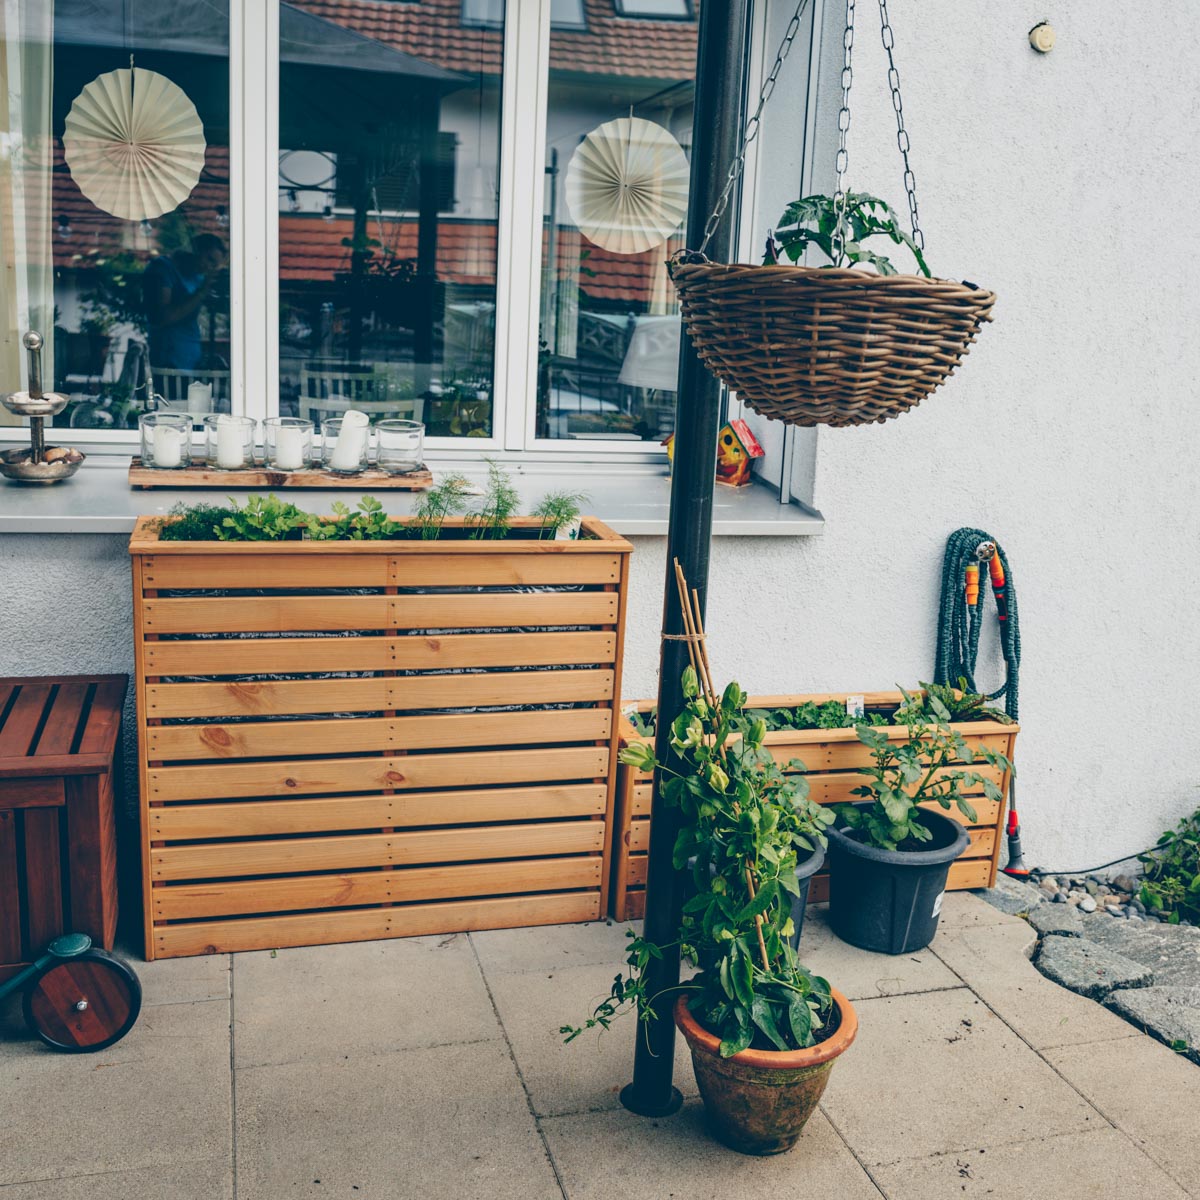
(888,858)
(764,1032)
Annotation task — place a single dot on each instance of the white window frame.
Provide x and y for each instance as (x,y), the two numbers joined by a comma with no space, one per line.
(254,244)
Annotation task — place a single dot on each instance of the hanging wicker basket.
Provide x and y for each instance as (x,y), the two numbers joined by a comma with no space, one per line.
(827,346)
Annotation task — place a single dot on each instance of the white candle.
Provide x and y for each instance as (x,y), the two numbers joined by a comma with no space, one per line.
(167,446)
(351,442)
(199,397)
(289,447)
(231,446)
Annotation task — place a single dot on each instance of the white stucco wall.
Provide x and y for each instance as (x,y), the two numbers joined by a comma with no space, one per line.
(1066,183)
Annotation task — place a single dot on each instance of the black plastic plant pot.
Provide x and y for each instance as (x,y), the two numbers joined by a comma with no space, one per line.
(806,868)
(889,900)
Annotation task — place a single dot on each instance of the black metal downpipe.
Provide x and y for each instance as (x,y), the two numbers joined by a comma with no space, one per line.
(716,134)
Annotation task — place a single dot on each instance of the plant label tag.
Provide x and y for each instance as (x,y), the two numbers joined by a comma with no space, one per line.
(937,904)
(569,532)
(855,706)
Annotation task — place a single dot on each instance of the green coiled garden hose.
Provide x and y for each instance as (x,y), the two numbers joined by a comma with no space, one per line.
(960,621)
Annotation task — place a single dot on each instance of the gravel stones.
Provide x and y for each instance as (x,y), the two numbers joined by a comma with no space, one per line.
(1087,904)
(1090,969)
(1056,919)
(1170,1013)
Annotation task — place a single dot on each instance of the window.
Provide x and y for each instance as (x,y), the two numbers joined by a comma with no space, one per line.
(675,10)
(377,212)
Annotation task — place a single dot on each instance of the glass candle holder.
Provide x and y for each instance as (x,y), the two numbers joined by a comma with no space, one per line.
(288,443)
(166,440)
(229,441)
(347,441)
(398,445)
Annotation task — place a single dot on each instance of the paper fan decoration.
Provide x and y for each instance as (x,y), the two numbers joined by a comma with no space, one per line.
(627,185)
(134,144)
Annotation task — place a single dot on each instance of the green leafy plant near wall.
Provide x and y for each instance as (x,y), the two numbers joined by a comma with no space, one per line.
(558,510)
(501,501)
(1171,883)
(743,823)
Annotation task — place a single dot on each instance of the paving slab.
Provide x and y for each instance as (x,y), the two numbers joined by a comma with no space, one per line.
(1062,919)
(1013,896)
(588,1073)
(1171,1014)
(948,1058)
(603,1156)
(993,961)
(1089,969)
(548,947)
(211,1180)
(860,973)
(964,909)
(1148,1092)
(1172,952)
(183,980)
(447,1122)
(159,1096)
(1101,1163)
(360,998)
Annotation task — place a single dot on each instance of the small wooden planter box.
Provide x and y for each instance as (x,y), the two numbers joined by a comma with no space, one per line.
(832,758)
(58,844)
(299,788)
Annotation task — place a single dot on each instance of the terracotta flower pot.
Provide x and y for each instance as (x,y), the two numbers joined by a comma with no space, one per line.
(758,1101)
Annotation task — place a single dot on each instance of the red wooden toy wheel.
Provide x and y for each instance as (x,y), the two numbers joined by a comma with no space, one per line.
(83,1003)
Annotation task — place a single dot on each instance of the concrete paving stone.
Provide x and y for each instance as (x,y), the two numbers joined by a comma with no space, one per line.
(449,1121)
(1172,952)
(616,1154)
(588,1073)
(548,947)
(1146,1091)
(1060,919)
(963,909)
(1171,1014)
(1101,1163)
(182,980)
(211,1180)
(360,998)
(1013,896)
(159,1096)
(859,974)
(948,1058)
(1089,969)
(994,963)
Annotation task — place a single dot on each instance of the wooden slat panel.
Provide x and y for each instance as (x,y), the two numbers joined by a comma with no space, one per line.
(10,896)
(413,773)
(219,899)
(103,726)
(43,879)
(275,739)
(639,836)
(306,929)
(297,696)
(845,756)
(58,736)
(480,611)
(31,793)
(838,788)
(251,818)
(297,855)
(265,614)
(987,812)
(413,653)
(495,570)
(643,797)
(162,571)
(637,870)
(635,906)
(17,733)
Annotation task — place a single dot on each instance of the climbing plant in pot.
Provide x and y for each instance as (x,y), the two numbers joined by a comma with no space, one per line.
(889,858)
(764,1032)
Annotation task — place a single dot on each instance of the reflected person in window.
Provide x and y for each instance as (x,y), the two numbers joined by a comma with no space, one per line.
(174,289)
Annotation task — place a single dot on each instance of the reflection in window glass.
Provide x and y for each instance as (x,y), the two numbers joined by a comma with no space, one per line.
(120,260)
(389,133)
(609,344)
(677,9)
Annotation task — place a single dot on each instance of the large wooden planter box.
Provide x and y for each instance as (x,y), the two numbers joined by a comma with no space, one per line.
(832,758)
(342,741)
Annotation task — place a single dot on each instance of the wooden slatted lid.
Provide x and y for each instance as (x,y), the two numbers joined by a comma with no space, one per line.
(59,724)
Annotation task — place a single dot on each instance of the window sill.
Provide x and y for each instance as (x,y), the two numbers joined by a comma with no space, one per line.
(632,499)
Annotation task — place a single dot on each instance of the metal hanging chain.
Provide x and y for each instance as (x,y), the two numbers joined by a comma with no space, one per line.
(910,183)
(837,241)
(752,126)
